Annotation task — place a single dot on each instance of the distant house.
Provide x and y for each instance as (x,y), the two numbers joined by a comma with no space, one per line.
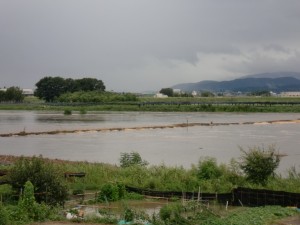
(177,91)
(27,92)
(194,93)
(290,94)
(160,95)
(273,93)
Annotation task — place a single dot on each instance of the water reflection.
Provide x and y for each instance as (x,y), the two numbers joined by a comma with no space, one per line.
(56,118)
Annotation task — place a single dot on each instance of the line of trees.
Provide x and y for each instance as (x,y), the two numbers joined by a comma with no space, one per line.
(49,88)
(11,94)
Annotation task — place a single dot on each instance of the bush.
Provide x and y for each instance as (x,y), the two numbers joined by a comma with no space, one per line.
(128,215)
(208,169)
(44,177)
(170,211)
(131,159)
(4,219)
(259,163)
(109,192)
(68,112)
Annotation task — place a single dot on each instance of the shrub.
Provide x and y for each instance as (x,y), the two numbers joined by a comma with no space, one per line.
(27,202)
(4,219)
(109,192)
(44,177)
(170,211)
(208,169)
(128,215)
(68,112)
(259,163)
(130,159)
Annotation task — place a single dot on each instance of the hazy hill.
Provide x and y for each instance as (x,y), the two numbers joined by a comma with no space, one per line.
(276,82)
(274,75)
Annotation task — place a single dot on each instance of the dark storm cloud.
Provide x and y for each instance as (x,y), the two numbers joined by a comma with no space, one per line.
(143,44)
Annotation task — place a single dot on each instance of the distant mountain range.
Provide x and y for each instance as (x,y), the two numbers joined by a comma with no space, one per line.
(276,82)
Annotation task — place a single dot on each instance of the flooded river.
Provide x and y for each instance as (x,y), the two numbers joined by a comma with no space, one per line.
(178,146)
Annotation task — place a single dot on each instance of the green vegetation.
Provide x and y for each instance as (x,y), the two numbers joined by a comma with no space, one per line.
(207,94)
(245,216)
(27,209)
(47,179)
(259,164)
(68,112)
(95,97)
(208,169)
(49,88)
(106,101)
(167,91)
(111,192)
(12,94)
(38,175)
(131,159)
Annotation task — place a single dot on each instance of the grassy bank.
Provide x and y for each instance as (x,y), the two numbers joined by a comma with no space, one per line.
(167,178)
(209,104)
(158,177)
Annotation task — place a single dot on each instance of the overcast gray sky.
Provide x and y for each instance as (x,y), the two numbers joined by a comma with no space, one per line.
(140,45)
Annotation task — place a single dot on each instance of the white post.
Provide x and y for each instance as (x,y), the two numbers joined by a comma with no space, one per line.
(198,195)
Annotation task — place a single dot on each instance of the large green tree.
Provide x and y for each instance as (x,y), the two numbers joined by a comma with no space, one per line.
(48,88)
(71,85)
(90,84)
(167,91)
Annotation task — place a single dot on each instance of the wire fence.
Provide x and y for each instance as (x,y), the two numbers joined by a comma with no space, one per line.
(238,197)
(262,197)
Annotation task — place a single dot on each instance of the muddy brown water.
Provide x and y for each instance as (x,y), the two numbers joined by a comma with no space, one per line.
(172,146)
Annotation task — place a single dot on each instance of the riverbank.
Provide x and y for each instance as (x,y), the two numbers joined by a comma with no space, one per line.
(209,104)
(115,175)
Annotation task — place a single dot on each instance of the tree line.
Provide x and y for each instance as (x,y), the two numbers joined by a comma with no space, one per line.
(11,94)
(49,88)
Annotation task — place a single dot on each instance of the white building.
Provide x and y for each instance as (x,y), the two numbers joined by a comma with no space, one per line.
(160,95)
(177,91)
(194,93)
(27,92)
(290,94)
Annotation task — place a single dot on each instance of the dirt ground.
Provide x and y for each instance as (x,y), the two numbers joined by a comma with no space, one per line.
(295,220)
(67,223)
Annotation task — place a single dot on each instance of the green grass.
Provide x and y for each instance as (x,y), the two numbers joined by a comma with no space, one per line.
(32,103)
(156,108)
(245,216)
(221,99)
(164,178)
